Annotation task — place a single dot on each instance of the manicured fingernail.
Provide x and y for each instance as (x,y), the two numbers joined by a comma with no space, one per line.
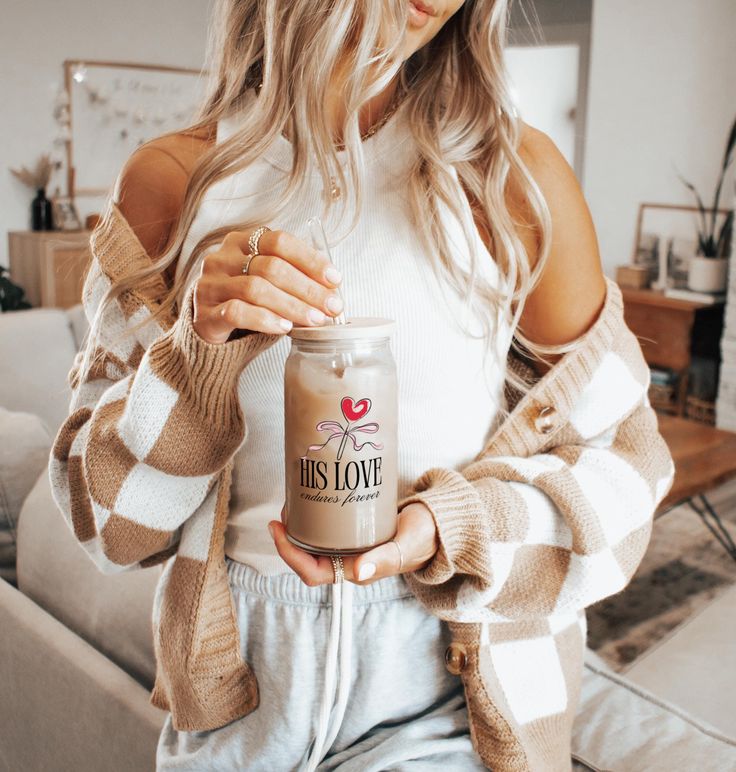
(271,531)
(334,303)
(333,275)
(316,316)
(366,571)
(286,324)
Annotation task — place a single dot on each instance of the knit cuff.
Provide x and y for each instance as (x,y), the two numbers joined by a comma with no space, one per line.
(206,373)
(460,515)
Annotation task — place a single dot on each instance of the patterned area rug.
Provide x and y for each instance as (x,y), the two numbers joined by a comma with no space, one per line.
(683,570)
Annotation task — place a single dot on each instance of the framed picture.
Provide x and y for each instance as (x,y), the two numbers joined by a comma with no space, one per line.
(666,239)
(66,217)
(113,108)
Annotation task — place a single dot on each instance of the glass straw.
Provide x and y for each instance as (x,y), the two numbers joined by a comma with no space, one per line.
(319,241)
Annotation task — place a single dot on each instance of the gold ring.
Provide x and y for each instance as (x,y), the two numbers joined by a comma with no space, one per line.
(338,568)
(255,237)
(246,264)
(253,241)
(401,554)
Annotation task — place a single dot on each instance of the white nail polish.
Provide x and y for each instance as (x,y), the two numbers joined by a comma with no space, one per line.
(334,304)
(366,571)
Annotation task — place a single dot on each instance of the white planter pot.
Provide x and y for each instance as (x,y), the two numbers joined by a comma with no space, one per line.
(707,274)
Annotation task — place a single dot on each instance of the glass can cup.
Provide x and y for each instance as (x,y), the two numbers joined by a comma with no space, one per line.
(341,436)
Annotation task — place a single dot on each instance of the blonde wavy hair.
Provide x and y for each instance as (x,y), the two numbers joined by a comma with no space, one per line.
(460,113)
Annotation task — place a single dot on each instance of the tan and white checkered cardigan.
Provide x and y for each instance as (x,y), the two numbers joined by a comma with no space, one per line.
(553,515)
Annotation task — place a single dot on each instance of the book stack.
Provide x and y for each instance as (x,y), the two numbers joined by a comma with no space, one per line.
(726,400)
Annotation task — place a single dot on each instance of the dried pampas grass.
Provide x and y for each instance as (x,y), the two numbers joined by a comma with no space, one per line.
(41,175)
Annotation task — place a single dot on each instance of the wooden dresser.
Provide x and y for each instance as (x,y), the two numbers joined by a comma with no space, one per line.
(49,265)
(671,331)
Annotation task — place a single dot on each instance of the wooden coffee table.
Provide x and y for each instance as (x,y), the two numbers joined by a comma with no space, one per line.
(704,457)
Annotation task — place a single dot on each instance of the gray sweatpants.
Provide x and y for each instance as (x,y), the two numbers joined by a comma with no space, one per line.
(394,705)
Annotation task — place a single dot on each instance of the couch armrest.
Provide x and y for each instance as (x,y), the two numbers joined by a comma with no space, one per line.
(64,705)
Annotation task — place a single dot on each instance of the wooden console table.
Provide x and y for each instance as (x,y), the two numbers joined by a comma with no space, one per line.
(671,331)
(704,458)
(49,265)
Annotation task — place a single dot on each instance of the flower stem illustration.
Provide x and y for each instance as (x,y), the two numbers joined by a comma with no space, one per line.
(352,411)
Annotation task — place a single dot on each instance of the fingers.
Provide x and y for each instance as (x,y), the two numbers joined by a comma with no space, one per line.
(285,276)
(289,279)
(220,320)
(379,562)
(285,292)
(313,570)
(411,548)
(285,245)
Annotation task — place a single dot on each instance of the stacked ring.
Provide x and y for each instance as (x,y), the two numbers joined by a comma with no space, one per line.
(338,568)
(253,241)
(401,555)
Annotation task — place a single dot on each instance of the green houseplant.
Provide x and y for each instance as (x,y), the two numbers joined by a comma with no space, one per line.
(709,266)
(11,295)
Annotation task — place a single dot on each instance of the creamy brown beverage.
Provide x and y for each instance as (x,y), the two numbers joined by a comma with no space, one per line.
(341,420)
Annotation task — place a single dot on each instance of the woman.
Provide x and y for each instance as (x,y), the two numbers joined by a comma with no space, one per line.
(392,119)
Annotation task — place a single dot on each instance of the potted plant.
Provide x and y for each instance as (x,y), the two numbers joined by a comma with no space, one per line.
(709,266)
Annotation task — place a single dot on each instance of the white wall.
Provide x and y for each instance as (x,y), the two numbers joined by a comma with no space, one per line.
(662,89)
(662,94)
(36,37)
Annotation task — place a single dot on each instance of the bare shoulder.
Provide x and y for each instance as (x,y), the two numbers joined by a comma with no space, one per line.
(572,287)
(153,182)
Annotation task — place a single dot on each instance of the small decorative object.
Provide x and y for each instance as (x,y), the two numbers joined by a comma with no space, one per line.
(41,211)
(666,242)
(662,280)
(91,220)
(65,213)
(646,251)
(633,276)
(709,266)
(42,216)
(11,295)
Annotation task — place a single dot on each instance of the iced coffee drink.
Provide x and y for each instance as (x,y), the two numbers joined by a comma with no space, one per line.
(340,412)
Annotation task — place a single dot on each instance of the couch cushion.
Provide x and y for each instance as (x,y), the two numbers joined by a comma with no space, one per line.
(25,444)
(110,611)
(78,322)
(64,705)
(621,726)
(39,344)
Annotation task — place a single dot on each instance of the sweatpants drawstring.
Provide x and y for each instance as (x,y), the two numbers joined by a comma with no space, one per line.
(341,637)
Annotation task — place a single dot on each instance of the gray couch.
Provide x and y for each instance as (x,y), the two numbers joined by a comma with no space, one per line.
(77,659)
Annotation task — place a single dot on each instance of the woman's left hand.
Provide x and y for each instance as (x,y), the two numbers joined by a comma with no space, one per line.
(416,535)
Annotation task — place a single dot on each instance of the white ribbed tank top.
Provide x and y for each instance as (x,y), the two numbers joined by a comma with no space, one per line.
(448,398)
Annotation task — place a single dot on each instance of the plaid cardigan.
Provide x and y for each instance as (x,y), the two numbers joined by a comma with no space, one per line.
(554,514)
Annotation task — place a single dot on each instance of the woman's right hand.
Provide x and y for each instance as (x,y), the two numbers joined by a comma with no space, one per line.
(288,283)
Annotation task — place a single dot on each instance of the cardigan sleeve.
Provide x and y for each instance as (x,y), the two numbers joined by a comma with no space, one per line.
(553,531)
(150,425)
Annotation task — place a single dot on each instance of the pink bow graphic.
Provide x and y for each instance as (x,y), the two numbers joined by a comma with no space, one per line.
(345,432)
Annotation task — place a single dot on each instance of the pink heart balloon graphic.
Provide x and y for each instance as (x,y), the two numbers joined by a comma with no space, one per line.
(354,411)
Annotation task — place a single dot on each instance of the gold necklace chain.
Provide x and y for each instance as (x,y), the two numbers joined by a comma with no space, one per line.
(392,107)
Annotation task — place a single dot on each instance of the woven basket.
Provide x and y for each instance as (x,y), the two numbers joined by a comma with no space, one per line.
(700,410)
(663,397)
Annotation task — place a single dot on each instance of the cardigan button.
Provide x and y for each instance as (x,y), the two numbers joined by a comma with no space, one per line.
(455,658)
(544,421)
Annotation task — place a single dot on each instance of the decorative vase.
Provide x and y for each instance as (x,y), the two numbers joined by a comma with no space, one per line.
(707,274)
(42,217)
